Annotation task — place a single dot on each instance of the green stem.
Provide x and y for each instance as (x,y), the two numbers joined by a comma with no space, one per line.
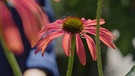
(98,16)
(11,58)
(71,58)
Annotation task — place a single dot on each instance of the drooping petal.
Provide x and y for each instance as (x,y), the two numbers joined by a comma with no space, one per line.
(107,40)
(91,46)
(93,22)
(50,27)
(59,21)
(104,30)
(105,37)
(80,50)
(40,14)
(66,40)
(9,30)
(37,38)
(53,27)
(46,40)
(30,15)
(27,18)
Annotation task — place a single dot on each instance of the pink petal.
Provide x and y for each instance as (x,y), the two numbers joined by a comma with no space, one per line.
(59,21)
(107,40)
(91,46)
(104,30)
(83,20)
(31,16)
(26,16)
(37,38)
(105,37)
(9,30)
(46,40)
(57,0)
(80,50)
(53,27)
(93,22)
(66,40)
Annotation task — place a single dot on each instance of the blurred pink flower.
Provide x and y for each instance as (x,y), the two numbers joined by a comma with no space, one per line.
(33,19)
(9,30)
(68,27)
(57,0)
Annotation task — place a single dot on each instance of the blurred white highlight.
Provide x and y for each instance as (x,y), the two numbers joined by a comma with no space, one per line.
(117,64)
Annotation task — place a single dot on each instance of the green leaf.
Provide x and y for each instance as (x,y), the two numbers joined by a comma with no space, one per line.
(131,72)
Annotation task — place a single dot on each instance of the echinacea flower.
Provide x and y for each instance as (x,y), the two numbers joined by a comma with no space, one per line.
(32,17)
(57,0)
(9,31)
(68,27)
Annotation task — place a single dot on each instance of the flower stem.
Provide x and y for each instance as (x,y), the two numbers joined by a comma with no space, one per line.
(71,58)
(98,16)
(11,59)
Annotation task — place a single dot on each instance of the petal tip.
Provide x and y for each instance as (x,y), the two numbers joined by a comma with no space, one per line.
(84,64)
(35,52)
(42,54)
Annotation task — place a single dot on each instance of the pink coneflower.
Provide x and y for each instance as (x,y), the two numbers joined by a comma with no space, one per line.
(32,16)
(68,27)
(9,31)
(57,0)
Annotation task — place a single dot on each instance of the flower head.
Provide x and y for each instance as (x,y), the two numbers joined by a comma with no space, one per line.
(31,16)
(57,0)
(72,25)
(68,27)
